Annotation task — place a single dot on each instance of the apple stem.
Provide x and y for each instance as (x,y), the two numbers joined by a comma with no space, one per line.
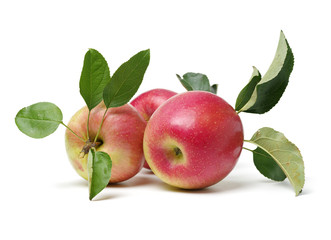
(73,132)
(177,151)
(103,118)
(88,124)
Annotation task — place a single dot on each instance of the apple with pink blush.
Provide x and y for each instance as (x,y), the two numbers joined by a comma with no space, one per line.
(121,137)
(147,102)
(193,140)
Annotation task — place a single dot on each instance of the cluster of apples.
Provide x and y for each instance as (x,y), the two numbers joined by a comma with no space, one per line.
(190,140)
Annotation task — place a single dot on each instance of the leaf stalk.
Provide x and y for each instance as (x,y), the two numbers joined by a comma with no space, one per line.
(88,124)
(103,118)
(72,132)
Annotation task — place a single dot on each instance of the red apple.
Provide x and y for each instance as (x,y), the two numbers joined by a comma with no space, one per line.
(121,136)
(193,140)
(147,102)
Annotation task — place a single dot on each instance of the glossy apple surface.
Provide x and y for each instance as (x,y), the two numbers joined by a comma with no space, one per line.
(147,102)
(193,140)
(121,137)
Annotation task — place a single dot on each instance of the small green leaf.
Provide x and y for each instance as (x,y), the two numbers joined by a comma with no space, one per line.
(267,166)
(284,153)
(197,82)
(99,167)
(39,120)
(246,93)
(95,76)
(126,80)
(270,89)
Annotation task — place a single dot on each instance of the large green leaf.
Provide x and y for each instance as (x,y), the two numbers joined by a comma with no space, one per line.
(270,89)
(284,153)
(197,82)
(126,80)
(99,167)
(39,120)
(246,93)
(95,76)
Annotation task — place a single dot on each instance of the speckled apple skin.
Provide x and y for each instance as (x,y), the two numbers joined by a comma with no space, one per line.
(121,134)
(147,102)
(206,129)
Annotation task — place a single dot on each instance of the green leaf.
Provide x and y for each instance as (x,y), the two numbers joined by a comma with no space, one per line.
(195,81)
(246,93)
(284,153)
(270,89)
(39,120)
(95,76)
(126,80)
(267,166)
(99,167)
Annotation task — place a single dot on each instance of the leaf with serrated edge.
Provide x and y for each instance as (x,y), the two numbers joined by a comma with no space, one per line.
(126,80)
(285,154)
(39,120)
(99,167)
(246,93)
(270,89)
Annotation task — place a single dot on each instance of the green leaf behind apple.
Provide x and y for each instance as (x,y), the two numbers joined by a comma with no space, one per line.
(197,82)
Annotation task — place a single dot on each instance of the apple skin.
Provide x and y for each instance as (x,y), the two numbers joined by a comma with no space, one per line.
(194,140)
(147,102)
(121,136)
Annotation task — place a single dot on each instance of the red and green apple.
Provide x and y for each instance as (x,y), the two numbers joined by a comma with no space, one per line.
(193,140)
(147,102)
(121,136)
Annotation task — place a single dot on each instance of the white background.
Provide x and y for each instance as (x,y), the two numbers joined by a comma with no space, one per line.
(43,44)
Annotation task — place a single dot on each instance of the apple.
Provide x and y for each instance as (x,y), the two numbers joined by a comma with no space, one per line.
(193,140)
(121,136)
(147,102)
